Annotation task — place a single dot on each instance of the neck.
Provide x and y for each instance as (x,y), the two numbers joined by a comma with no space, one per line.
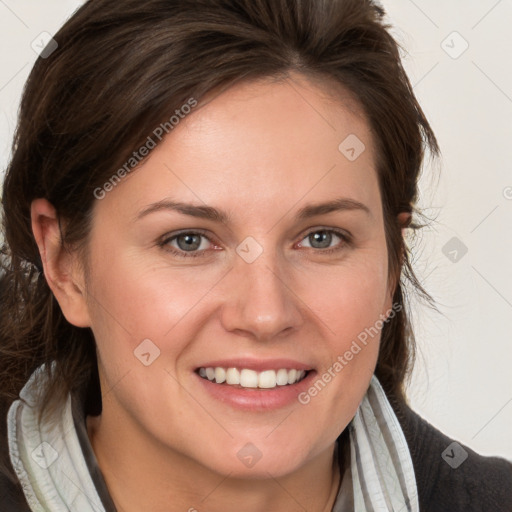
(167,476)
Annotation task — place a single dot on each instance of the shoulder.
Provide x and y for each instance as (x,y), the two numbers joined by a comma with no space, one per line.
(12,498)
(451,476)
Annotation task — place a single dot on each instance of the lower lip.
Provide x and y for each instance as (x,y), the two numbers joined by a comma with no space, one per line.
(257,399)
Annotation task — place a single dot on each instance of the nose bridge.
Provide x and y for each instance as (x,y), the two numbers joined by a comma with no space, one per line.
(261,302)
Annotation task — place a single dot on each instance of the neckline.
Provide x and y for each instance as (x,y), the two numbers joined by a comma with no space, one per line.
(79,421)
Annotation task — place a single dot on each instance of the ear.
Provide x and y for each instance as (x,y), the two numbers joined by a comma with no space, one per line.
(404,219)
(61,267)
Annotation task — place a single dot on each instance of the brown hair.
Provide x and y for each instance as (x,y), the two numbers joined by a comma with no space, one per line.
(121,69)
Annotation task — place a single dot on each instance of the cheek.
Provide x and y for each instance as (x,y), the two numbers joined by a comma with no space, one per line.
(350,310)
(139,298)
(350,303)
(348,297)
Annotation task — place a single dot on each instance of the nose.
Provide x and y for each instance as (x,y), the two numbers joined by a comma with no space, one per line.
(261,302)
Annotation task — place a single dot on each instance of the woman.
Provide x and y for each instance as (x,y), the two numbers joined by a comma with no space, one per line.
(202,306)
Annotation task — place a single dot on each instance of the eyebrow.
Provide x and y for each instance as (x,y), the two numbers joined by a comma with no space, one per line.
(216,215)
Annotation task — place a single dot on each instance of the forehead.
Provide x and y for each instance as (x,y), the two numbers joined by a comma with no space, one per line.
(295,108)
(262,143)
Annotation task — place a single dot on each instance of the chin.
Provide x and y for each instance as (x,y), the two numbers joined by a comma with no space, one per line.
(258,459)
(262,469)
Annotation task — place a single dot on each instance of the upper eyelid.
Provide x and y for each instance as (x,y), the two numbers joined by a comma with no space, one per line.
(336,231)
(194,231)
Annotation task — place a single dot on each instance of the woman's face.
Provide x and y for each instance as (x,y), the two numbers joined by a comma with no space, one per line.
(247,273)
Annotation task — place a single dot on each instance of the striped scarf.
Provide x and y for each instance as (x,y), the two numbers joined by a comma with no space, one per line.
(381,465)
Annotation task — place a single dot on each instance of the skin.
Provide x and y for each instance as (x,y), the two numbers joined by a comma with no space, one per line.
(260,151)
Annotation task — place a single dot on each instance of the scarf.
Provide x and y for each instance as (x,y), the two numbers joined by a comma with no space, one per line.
(51,467)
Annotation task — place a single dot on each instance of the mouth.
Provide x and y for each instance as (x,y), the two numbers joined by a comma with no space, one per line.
(254,385)
(246,378)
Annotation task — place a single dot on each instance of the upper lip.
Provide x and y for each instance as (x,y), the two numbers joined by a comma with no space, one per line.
(258,365)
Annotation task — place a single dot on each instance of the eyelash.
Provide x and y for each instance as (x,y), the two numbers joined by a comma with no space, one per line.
(346,238)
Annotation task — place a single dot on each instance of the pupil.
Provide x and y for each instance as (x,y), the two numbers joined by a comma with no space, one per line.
(191,242)
(323,237)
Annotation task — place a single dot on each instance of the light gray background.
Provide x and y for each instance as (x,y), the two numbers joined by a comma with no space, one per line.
(463,379)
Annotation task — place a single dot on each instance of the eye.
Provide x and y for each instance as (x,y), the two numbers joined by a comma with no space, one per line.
(186,244)
(321,240)
(195,243)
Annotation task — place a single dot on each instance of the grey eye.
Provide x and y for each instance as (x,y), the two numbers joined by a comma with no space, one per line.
(188,241)
(321,239)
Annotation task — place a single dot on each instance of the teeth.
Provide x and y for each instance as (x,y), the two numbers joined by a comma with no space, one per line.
(232,376)
(246,378)
(292,376)
(267,379)
(282,377)
(220,375)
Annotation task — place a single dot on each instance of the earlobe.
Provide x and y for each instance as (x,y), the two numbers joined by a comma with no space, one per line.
(61,269)
(404,220)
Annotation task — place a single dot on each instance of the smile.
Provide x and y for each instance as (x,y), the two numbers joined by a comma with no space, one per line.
(247,378)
